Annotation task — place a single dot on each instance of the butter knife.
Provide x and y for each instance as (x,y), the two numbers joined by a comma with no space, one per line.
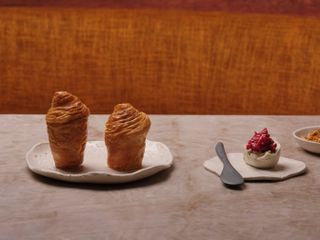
(229,175)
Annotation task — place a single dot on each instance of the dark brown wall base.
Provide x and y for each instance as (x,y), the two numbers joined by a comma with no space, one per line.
(296,7)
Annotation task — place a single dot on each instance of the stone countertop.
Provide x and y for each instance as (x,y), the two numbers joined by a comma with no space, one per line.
(185,202)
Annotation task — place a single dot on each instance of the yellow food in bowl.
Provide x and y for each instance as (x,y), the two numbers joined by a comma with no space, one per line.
(314,136)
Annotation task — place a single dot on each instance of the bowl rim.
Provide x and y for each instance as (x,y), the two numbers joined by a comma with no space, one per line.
(305,128)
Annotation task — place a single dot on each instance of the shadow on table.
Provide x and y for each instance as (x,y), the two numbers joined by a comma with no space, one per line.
(236,188)
(312,153)
(152,180)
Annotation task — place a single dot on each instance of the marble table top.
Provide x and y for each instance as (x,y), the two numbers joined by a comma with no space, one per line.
(184,202)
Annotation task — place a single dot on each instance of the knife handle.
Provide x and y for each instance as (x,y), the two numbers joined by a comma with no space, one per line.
(222,154)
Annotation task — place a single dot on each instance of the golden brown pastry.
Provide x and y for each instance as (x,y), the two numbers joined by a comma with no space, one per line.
(125,136)
(67,129)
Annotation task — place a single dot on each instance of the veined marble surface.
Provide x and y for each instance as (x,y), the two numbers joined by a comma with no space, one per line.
(184,202)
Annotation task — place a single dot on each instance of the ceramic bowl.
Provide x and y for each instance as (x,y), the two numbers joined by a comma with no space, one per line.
(310,146)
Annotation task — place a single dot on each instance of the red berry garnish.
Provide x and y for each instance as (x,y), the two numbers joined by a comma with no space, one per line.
(261,142)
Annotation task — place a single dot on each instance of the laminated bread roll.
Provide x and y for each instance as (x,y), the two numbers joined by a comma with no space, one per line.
(67,129)
(125,136)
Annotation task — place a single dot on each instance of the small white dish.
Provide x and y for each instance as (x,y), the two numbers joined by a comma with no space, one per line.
(310,146)
(286,168)
(157,157)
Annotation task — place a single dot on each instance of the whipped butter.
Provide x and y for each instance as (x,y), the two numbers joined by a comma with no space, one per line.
(264,160)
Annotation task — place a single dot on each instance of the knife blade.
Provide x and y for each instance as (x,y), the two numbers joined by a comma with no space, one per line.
(229,175)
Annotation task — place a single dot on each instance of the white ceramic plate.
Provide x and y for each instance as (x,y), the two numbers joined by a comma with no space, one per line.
(285,168)
(157,157)
(310,146)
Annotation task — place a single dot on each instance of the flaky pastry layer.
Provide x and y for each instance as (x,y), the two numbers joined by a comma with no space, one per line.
(66,108)
(125,121)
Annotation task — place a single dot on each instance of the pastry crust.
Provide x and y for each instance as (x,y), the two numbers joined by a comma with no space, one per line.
(67,129)
(125,136)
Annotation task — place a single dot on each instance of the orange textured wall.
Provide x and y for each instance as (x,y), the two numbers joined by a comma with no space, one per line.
(161,61)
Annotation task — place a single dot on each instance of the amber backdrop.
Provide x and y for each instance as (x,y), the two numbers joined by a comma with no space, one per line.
(162,61)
